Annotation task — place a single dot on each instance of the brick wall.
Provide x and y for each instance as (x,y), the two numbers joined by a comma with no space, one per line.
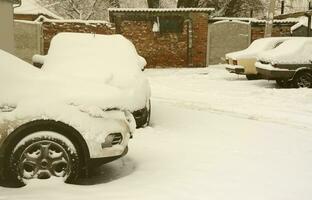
(51,28)
(187,48)
(200,33)
(159,49)
(278,31)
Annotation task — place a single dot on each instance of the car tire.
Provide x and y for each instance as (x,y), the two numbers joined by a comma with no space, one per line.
(149,112)
(283,83)
(303,79)
(252,76)
(41,155)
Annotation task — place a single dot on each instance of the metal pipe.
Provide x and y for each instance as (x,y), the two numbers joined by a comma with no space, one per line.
(282,6)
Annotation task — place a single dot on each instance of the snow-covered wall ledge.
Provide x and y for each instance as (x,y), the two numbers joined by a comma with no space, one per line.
(50,27)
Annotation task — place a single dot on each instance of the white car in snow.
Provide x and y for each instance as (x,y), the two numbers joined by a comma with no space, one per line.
(243,62)
(107,59)
(50,126)
(290,64)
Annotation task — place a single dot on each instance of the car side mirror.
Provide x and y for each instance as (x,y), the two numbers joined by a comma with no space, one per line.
(38,60)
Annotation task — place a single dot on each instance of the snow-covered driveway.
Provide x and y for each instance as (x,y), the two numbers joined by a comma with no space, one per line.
(213,135)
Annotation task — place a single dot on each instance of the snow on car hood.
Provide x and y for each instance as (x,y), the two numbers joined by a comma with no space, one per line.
(257,47)
(294,51)
(20,82)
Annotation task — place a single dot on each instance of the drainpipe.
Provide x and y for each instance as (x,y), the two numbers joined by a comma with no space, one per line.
(6,30)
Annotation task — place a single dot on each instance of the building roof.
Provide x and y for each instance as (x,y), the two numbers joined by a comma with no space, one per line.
(254,20)
(161,10)
(31,7)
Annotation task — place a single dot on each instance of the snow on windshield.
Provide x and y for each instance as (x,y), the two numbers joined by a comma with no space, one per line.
(256,47)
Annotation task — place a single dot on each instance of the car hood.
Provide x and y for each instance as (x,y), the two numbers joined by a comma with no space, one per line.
(21,82)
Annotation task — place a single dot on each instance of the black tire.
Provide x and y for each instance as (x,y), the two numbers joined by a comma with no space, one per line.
(252,76)
(303,79)
(283,83)
(41,156)
(149,111)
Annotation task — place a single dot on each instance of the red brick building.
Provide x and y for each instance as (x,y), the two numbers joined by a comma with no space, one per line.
(166,37)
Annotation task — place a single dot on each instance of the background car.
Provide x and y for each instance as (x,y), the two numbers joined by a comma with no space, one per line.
(243,62)
(290,64)
(107,59)
(50,126)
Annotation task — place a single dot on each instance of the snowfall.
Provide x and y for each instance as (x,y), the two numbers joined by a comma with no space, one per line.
(213,135)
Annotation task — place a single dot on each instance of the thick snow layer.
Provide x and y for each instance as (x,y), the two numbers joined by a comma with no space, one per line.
(294,51)
(32,94)
(257,47)
(32,7)
(303,21)
(21,81)
(110,60)
(234,21)
(213,135)
(87,22)
(161,9)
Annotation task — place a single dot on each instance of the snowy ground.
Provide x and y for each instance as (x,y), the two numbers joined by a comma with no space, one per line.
(213,135)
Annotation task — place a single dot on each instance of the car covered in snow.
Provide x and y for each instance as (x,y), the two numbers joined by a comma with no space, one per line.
(108,59)
(243,62)
(290,64)
(52,126)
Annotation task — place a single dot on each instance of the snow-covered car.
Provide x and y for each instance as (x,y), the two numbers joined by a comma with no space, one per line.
(243,62)
(50,126)
(290,64)
(108,59)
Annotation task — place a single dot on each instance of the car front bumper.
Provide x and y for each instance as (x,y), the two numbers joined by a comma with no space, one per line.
(269,72)
(236,69)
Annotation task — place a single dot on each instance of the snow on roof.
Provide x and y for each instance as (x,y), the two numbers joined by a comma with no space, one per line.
(235,21)
(303,21)
(256,21)
(257,47)
(44,19)
(161,9)
(294,51)
(32,7)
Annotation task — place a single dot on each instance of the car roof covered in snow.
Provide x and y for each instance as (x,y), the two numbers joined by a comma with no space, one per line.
(99,57)
(257,47)
(295,51)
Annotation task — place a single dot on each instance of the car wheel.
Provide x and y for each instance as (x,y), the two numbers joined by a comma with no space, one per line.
(252,76)
(149,112)
(283,83)
(42,155)
(303,79)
